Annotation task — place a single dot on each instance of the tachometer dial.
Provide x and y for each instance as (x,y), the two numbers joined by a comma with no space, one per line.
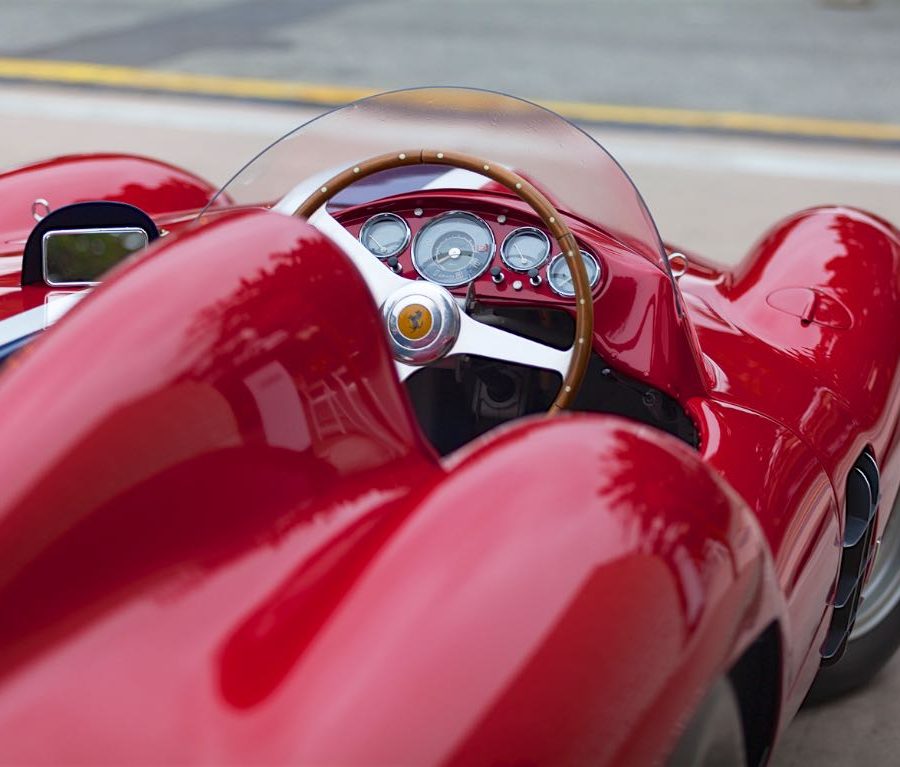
(525,248)
(453,249)
(559,278)
(384,235)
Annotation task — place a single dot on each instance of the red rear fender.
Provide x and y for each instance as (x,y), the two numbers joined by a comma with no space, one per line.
(563,593)
(805,331)
(562,596)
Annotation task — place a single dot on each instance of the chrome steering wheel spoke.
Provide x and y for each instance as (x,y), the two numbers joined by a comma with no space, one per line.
(453,327)
(482,340)
(473,338)
(382,281)
(404,371)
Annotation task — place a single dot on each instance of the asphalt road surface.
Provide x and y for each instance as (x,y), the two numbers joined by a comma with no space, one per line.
(713,194)
(824,58)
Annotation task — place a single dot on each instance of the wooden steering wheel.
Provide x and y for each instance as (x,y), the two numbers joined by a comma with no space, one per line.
(424,322)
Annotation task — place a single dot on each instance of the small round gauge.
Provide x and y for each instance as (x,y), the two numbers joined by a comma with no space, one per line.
(384,235)
(453,249)
(525,248)
(559,278)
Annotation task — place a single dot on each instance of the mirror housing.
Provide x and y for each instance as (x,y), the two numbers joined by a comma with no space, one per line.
(85,223)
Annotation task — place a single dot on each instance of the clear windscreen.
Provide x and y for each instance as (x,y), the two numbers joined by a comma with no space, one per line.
(567,164)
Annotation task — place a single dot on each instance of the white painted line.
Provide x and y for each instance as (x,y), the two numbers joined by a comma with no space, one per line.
(801,162)
(711,153)
(458,178)
(151,111)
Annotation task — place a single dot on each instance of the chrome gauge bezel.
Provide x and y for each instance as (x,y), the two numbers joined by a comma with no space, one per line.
(520,231)
(437,219)
(563,293)
(378,217)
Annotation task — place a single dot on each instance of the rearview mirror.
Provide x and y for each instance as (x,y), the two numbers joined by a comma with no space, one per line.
(81,256)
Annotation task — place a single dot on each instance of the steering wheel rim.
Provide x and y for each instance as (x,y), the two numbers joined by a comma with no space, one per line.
(573,377)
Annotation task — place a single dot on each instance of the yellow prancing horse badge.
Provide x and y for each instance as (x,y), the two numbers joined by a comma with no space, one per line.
(414,321)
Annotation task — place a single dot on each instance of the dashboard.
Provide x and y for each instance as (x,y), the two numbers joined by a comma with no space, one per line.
(493,250)
(455,241)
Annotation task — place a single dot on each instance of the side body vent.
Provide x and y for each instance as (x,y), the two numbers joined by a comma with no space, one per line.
(863,493)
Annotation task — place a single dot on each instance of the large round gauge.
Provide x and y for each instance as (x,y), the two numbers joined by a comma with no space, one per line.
(384,235)
(453,249)
(525,248)
(559,278)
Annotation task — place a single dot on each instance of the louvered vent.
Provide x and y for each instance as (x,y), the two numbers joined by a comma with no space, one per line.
(856,558)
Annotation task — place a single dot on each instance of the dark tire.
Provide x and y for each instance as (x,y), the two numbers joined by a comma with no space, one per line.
(715,735)
(876,634)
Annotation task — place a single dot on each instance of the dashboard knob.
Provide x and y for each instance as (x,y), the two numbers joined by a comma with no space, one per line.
(497,274)
(394,263)
(534,277)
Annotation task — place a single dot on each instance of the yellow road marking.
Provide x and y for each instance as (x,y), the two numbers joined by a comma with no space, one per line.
(132,78)
(738,122)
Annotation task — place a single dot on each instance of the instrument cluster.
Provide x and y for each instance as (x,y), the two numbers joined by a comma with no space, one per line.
(454,247)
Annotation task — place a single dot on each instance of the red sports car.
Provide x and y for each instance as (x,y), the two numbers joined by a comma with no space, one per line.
(415,444)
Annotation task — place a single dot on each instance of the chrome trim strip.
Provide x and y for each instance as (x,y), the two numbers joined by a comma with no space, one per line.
(37,319)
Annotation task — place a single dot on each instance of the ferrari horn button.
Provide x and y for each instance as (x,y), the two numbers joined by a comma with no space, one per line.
(422,322)
(414,321)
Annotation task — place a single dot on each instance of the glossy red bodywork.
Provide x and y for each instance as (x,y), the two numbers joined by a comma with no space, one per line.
(223,538)
(160,189)
(170,195)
